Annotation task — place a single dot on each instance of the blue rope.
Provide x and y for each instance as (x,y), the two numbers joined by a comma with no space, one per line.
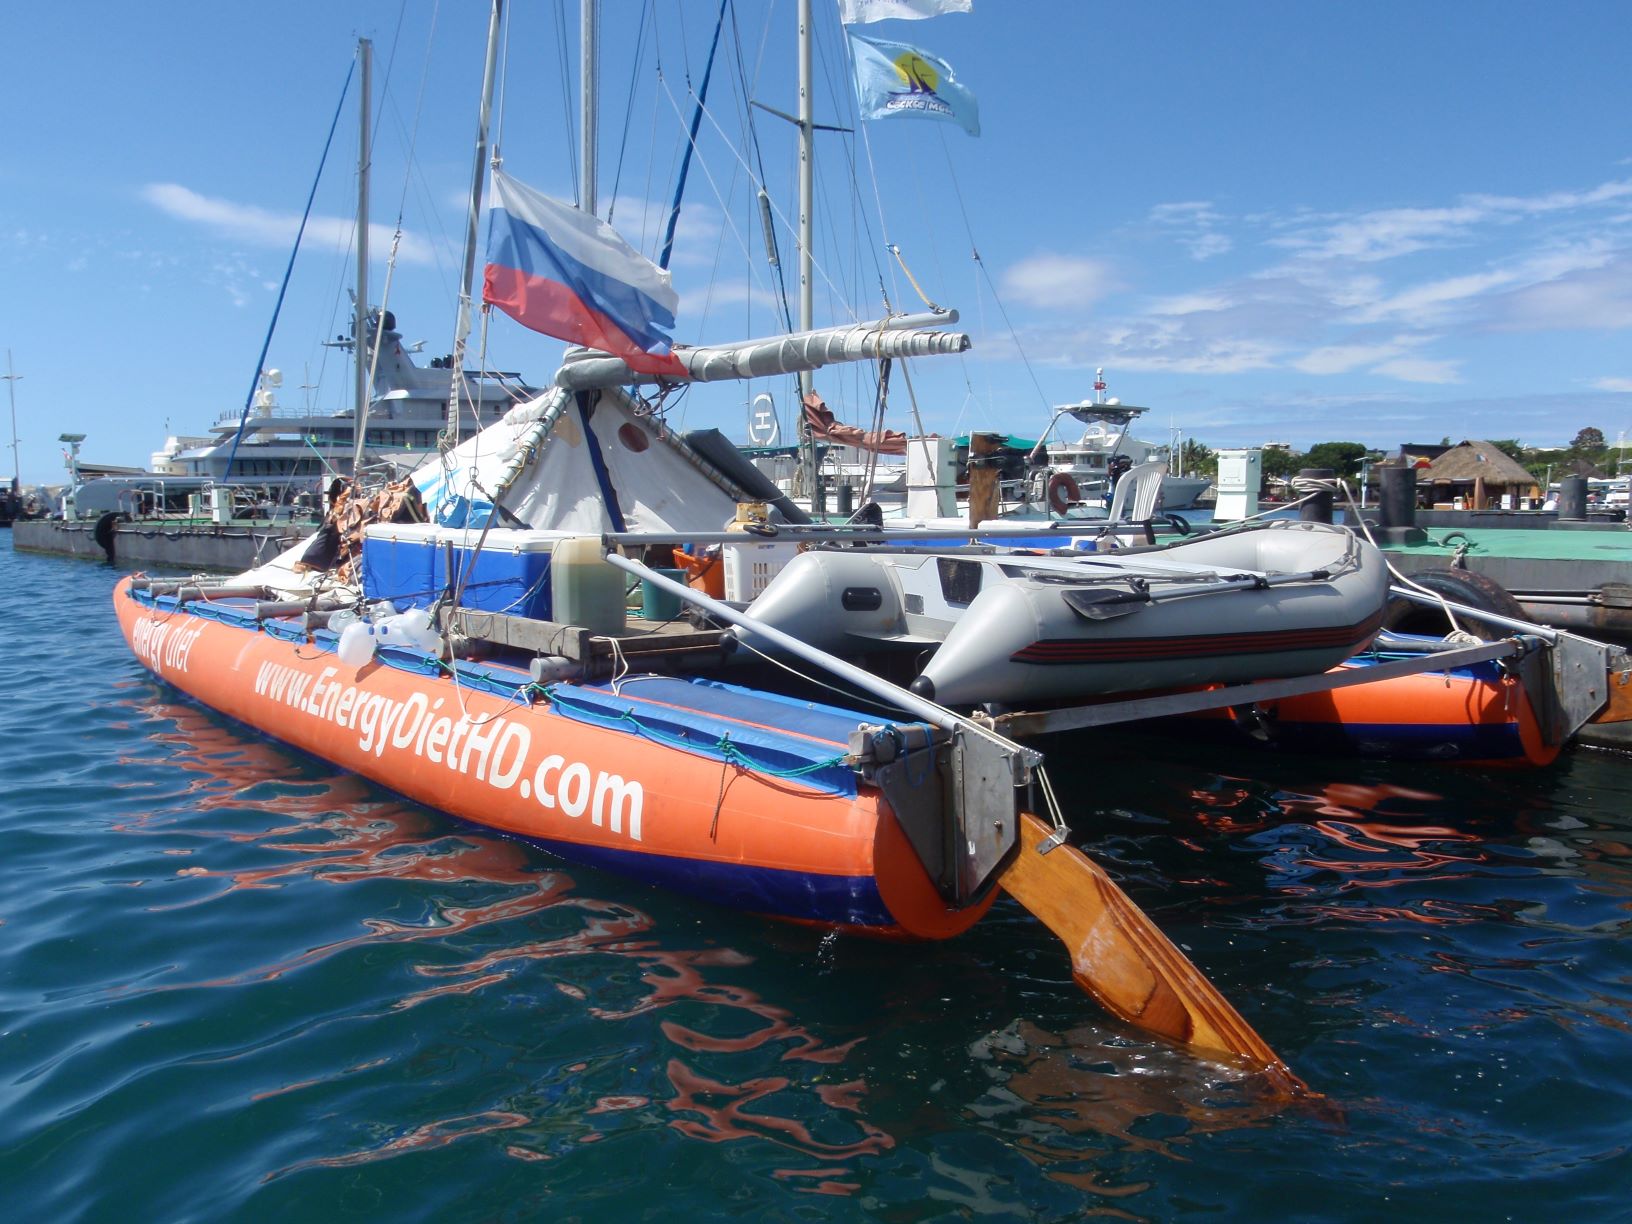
(691,143)
(260,362)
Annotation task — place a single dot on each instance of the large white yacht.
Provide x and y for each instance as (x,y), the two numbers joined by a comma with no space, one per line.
(304,448)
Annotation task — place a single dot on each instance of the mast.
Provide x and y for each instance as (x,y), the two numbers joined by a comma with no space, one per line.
(807,192)
(16,458)
(360,325)
(807,181)
(588,50)
(461,329)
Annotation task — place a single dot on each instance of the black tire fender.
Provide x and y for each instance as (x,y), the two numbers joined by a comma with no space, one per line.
(1458,586)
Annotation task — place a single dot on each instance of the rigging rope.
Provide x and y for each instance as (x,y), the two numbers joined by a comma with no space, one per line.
(974,253)
(629,107)
(780,215)
(260,362)
(569,123)
(911,279)
(762,198)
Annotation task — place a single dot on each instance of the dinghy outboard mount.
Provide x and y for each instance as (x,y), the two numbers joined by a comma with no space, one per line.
(956,794)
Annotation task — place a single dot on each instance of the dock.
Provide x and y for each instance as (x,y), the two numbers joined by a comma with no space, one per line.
(171,545)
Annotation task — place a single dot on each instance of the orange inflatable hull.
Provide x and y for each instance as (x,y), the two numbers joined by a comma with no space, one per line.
(1469,716)
(607,790)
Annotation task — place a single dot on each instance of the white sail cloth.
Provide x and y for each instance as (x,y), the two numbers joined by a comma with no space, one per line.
(554,471)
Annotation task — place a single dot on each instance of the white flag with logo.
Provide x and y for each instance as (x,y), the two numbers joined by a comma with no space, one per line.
(860,12)
(896,79)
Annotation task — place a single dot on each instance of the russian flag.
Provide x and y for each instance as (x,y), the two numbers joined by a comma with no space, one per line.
(564,272)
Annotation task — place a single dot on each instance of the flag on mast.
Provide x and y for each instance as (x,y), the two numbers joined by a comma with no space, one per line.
(896,79)
(860,12)
(564,272)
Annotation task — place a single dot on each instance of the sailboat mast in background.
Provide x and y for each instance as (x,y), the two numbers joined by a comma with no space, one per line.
(588,118)
(461,329)
(807,225)
(360,349)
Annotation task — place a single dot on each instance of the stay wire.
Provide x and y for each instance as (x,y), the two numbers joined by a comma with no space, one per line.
(402,206)
(758,183)
(974,252)
(569,121)
(288,272)
(747,86)
(629,105)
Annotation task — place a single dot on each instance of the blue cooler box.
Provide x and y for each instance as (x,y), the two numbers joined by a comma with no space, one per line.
(407,563)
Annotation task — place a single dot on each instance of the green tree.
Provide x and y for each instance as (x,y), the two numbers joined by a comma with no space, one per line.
(1511,447)
(1589,439)
(1342,457)
(1280,464)
(1198,459)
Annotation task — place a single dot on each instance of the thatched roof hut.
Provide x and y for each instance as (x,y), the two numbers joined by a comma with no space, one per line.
(1477,471)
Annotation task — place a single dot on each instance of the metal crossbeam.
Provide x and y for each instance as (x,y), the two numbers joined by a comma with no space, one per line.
(1043,722)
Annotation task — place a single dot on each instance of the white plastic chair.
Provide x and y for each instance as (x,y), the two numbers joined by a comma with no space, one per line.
(1137,492)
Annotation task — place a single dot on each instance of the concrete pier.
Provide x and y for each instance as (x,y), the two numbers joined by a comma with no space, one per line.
(166,547)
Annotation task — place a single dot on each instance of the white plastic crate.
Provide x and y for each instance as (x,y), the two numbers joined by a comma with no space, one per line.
(749,568)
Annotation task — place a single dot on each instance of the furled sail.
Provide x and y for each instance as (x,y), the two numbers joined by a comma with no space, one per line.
(824,425)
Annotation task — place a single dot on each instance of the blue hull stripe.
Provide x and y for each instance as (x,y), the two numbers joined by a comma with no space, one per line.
(837,900)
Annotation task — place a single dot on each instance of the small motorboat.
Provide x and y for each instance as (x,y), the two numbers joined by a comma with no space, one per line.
(1279,599)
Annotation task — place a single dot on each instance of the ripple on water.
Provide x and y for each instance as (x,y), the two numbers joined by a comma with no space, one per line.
(293,993)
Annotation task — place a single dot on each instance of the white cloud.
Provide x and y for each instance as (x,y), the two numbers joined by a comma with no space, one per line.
(1591,298)
(1369,237)
(1420,370)
(1428,303)
(1341,358)
(1612,384)
(1223,357)
(1196,224)
(696,234)
(719,294)
(1386,234)
(1555,201)
(1192,303)
(262,227)
(1187,210)
(1058,281)
(1167,345)
(1551,260)
(1205,246)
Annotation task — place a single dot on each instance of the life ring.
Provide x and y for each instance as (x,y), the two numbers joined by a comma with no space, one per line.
(1458,586)
(1063,492)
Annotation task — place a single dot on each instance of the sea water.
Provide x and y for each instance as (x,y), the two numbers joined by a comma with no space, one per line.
(238,984)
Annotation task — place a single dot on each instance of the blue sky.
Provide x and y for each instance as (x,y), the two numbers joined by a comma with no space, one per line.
(1269,221)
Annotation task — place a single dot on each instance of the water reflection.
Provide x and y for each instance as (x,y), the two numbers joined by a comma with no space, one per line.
(336,828)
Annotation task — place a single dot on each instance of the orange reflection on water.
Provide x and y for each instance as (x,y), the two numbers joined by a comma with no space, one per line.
(420,1139)
(716,1110)
(1072,1098)
(1349,799)
(338,829)
(1233,808)
(297,1085)
(722,1114)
